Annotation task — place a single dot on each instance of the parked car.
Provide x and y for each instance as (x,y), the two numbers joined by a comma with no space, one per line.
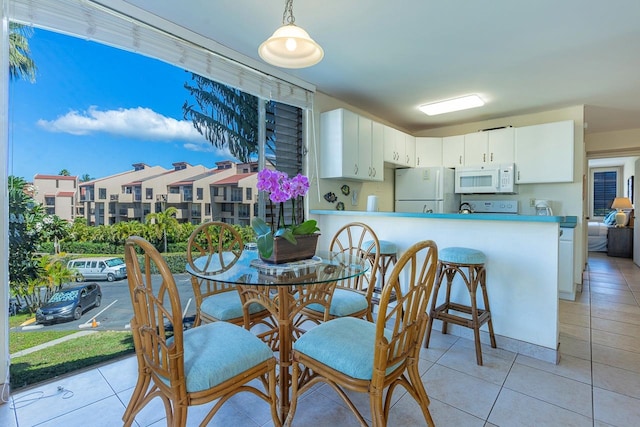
(100,268)
(70,303)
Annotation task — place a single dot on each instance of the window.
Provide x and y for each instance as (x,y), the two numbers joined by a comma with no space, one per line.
(249,192)
(50,200)
(102,193)
(174,190)
(199,193)
(148,193)
(606,185)
(187,194)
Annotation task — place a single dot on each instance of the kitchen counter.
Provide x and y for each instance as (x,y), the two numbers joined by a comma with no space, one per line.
(522,266)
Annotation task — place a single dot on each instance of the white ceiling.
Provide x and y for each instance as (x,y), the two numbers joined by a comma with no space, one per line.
(387,57)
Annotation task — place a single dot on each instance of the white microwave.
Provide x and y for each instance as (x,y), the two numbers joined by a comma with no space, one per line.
(485,179)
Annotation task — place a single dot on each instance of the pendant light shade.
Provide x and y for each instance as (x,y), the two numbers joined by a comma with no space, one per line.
(290,46)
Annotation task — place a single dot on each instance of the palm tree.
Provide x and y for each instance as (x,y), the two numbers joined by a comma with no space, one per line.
(85,178)
(21,65)
(163,222)
(64,172)
(227,117)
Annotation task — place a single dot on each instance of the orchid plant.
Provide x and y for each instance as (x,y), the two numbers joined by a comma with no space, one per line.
(281,189)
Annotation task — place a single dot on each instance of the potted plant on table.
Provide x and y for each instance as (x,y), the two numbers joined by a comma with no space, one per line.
(280,242)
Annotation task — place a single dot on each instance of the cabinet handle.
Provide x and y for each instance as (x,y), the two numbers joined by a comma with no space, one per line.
(407,159)
(418,161)
(491,157)
(518,175)
(484,157)
(460,160)
(355,169)
(373,172)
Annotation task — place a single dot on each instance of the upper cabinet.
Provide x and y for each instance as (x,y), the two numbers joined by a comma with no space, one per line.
(399,148)
(428,152)
(544,153)
(489,147)
(453,151)
(350,146)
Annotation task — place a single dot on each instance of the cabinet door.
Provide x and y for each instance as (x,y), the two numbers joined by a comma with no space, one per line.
(363,161)
(453,151)
(409,151)
(544,153)
(565,264)
(377,144)
(475,148)
(501,146)
(391,137)
(428,152)
(338,144)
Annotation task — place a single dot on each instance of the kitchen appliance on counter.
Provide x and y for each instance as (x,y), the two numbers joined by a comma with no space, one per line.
(493,206)
(426,190)
(485,179)
(543,208)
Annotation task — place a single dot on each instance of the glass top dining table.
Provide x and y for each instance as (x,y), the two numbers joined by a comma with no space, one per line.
(284,290)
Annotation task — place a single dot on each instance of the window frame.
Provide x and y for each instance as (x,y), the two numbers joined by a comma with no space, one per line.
(619,188)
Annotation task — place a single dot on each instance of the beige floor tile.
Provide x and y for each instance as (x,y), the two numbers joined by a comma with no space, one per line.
(599,285)
(617,380)
(577,332)
(457,389)
(554,389)
(624,294)
(439,343)
(621,342)
(572,307)
(622,359)
(615,327)
(619,299)
(574,319)
(569,367)
(615,409)
(103,413)
(575,347)
(316,409)
(406,412)
(515,409)
(8,415)
(613,314)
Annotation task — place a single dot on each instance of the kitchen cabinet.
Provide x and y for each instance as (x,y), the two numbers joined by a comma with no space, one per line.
(544,153)
(620,242)
(491,147)
(566,282)
(399,148)
(428,152)
(453,151)
(349,147)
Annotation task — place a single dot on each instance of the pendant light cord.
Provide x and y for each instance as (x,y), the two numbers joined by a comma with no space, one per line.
(287,15)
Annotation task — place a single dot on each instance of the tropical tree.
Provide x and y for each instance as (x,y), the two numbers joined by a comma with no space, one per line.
(21,65)
(163,223)
(227,117)
(55,228)
(22,238)
(85,178)
(124,229)
(64,172)
(55,274)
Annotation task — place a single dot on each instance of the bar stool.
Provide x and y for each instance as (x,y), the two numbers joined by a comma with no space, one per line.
(451,261)
(388,255)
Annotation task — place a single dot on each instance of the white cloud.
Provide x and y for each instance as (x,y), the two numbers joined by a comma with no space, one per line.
(140,123)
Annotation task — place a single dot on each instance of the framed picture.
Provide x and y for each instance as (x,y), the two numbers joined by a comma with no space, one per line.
(630,188)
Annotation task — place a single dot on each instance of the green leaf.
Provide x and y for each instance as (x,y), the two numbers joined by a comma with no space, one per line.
(260,227)
(265,244)
(287,234)
(307,227)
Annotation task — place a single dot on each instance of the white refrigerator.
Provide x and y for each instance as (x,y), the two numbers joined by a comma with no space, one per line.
(426,190)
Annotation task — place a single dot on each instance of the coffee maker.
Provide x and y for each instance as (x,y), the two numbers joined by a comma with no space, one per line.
(543,207)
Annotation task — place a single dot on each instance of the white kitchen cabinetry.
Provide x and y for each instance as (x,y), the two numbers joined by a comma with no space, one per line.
(453,151)
(489,147)
(566,284)
(376,173)
(544,153)
(399,148)
(428,152)
(348,148)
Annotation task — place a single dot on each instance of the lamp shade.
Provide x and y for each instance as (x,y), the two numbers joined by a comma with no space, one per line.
(290,47)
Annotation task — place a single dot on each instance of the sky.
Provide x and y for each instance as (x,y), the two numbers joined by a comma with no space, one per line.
(97,110)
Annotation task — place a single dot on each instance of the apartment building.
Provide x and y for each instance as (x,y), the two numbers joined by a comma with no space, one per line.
(199,194)
(57,194)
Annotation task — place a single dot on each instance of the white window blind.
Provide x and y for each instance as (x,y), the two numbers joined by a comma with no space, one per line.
(90,20)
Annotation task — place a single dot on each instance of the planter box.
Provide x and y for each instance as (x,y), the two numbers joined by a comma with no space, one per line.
(284,251)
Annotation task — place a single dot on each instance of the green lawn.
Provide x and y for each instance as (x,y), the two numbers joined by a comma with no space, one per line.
(63,358)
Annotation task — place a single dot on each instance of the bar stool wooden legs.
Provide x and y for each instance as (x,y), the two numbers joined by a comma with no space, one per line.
(388,255)
(452,261)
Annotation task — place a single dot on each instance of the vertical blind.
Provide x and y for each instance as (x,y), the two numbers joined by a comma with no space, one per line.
(91,20)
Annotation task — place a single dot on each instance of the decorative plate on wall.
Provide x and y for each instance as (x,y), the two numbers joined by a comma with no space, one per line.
(330,197)
(345,190)
(340,206)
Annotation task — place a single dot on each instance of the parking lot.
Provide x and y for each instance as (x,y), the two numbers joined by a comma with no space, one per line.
(116,311)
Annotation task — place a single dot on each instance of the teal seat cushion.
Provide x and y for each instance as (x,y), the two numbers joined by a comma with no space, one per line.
(386,247)
(344,303)
(346,344)
(462,256)
(218,351)
(226,306)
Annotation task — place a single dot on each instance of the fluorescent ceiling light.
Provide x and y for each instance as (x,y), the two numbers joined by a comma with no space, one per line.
(455,104)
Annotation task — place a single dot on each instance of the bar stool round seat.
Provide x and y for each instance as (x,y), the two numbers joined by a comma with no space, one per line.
(388,255)
(454,261)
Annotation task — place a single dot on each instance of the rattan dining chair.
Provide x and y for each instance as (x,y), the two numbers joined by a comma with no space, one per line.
(351,297)
(374,358)
(218,244)
(192,367)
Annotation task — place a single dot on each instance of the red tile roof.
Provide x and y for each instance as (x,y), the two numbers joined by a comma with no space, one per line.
(233,179)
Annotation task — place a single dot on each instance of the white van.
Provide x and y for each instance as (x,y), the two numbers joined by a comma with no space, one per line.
(104,268)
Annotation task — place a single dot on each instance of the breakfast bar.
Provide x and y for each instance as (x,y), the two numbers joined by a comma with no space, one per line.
(522,266)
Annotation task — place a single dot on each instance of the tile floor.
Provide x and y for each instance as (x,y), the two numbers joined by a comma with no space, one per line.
(597,382)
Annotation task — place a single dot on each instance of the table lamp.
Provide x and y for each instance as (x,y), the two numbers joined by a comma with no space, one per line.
(620,203)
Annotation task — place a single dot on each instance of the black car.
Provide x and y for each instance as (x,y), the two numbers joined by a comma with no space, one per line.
(70,303)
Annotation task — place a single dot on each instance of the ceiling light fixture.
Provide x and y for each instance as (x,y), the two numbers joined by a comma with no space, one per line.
(290,46)
(455,104)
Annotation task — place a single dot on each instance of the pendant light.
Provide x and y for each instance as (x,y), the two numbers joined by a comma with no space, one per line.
(290,46)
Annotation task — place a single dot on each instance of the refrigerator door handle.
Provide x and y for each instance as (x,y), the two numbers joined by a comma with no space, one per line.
(439,195)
